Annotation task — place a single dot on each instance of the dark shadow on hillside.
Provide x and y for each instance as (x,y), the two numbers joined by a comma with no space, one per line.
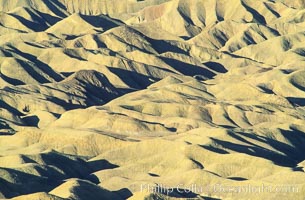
(185,38)
(6,133)
(52,171)
(9,108)
(276,14)
(214,149)
(257,151)
(102,164)
(34,45)
(162,46)
(125,193)
(87,191)
(283,155)
(33,73)
(287,71)
(49,18)
(153,175)
(10,80)
(293,151)
(72,167)
(216,67)
(55,7)
(67,105)
(237,178)
(42,66)
(265,89)
(188,69)
(299,51)
(72,37)
(26,184)
(297,140)
(101,44)
(296,101)
(67,74)
(220,36)
(40,20)
(131,78)
(95,92)
(77,57)
(256,15)
(123,91)
(90,94)
(185,17)
(31,120)
(5,129)
(297,85)
(101,21)
(37,25)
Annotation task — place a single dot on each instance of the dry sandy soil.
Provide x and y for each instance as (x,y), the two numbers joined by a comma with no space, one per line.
(152,99)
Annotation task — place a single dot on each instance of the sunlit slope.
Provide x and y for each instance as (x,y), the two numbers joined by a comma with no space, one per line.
(104,99)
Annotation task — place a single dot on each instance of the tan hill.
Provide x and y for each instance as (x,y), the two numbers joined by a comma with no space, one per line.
(145,99)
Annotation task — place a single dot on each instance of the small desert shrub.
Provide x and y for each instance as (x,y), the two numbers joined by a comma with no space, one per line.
(26,108)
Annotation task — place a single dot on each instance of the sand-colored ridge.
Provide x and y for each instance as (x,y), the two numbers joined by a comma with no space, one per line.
(112,99)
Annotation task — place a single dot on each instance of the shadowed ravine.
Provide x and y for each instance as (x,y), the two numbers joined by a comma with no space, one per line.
(152,99)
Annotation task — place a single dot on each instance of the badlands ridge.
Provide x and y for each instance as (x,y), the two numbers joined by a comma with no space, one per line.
(141,99)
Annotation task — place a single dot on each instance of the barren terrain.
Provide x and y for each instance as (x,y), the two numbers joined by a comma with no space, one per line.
(146,99)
